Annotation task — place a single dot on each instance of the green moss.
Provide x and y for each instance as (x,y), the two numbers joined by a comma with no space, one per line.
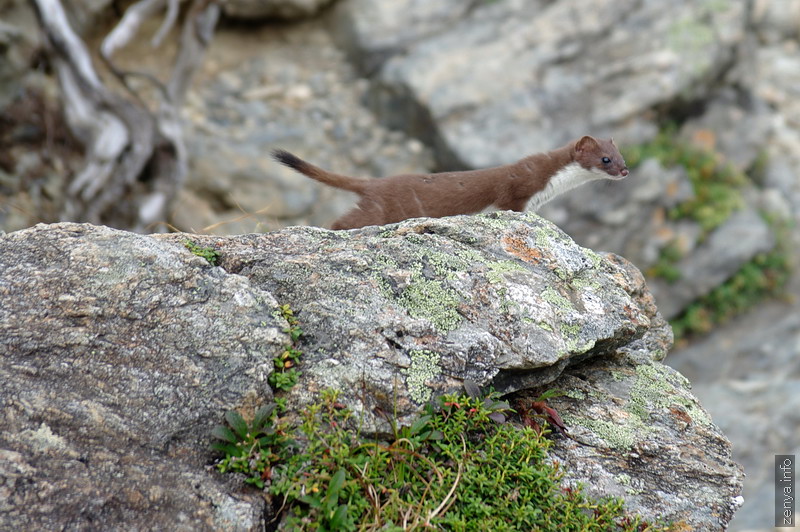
(717,185)
(763,276)
(666,266)
(208,253)
(424,368)
(324,476)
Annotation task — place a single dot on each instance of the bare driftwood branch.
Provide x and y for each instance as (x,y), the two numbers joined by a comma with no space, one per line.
(136,159)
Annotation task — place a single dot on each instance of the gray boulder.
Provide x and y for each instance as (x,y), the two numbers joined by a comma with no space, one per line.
(120,353)
(566,67)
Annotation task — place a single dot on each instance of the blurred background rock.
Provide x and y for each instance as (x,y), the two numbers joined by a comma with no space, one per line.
(703,96)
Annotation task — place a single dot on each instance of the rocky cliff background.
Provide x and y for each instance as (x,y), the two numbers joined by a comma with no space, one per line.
(378,88)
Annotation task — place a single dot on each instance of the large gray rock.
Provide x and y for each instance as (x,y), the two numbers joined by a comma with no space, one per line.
(744,235)
(515,77)
(434,302)
(120,352)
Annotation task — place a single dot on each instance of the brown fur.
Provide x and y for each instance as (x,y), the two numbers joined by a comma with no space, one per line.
(508,187)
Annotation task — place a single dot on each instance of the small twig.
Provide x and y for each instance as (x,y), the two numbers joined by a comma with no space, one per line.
(123,32)
(169,22)
(453,488)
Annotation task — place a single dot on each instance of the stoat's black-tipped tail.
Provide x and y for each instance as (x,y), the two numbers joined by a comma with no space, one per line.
(314,172)
(289,159)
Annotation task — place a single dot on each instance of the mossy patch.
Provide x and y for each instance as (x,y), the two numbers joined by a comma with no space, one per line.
(324,476)
(718,193)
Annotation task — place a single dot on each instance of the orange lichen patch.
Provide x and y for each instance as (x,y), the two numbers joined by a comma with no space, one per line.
(517,247)
(681,415)
(634,315)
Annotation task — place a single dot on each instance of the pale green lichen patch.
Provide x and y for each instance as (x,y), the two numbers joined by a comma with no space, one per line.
(545,326)
(580,395)
(570,330)
(498,270)
(431,300)
(546,236)
(585,284)
(424,368)
(492,220)
(554,298)
(656,386)
(576,348)
(617,435)
(596,259)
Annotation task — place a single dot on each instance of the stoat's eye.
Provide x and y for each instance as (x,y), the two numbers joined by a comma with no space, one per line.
(606,160)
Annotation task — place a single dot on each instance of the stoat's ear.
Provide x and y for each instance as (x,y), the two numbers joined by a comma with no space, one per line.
(586,143)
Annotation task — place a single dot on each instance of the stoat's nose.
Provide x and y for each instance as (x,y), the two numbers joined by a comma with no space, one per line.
(624,172)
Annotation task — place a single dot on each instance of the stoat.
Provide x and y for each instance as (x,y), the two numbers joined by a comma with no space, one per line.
(535,179)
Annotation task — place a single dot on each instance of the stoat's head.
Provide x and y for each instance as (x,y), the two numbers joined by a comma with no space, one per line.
(600,157)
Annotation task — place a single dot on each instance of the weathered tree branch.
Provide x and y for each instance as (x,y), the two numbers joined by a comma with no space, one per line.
(136,159)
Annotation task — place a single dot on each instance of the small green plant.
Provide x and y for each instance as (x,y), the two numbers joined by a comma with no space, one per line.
(458,466)
(284,379)
(250,448)
(666,267)
(285,376)
(718,193)
(717,185)
(208,253)
(764,276)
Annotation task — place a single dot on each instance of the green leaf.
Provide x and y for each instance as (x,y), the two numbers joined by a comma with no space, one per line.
(550,393)
(339,518)
(224,433)
(256,481)
(336,484)
(262,415)
(226,448)
(237,423)
(419,424)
